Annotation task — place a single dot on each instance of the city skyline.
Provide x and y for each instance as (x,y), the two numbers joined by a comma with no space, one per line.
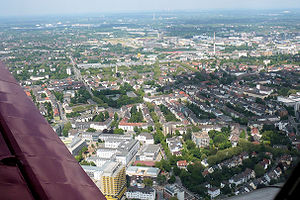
(66,7)
(186,103)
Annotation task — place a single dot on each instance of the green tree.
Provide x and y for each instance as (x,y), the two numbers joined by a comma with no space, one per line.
(158,137)
(163,165)
(188,135)
(161,179)
(248,163)
(136,115)
(91,130)
(259,170)
(84,162)
(275,137)
(99,118)
(81,97)
(150,128)
(226,189)
(118,131)
(66,129)
(136,129)
(169,116)
(106,114)
(59,96)
(43,95)
(148,182)
(116,116)
(33,96)
(176,171)
(243,134)
(172,179)
(79,158)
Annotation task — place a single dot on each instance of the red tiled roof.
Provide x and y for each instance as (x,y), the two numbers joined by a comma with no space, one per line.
(147,163)
(182,163)
(28,93)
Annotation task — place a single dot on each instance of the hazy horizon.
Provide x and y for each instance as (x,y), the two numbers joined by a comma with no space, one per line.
(20,8)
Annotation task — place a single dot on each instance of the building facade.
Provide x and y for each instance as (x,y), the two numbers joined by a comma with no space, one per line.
(141,193)
(201,139)
(113,180)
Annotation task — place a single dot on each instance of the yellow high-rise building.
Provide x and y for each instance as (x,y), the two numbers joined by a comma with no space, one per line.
(113,180)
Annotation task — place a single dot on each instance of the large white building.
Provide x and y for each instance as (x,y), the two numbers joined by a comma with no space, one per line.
(98,161)
(105,137)
(291,100)
(214,192)
(201,139)
(93,171)
(142,171)
(110,178)
(146,138)
(129,127)
(120,150)
(100,126)
(174,144)
(141,193)
(113,143)
(76,145)
(177,191)
(127,150)
(106,152)
(89,136)
(149,153)
(69,71)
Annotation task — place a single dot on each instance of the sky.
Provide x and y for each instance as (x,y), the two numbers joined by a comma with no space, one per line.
(59,7)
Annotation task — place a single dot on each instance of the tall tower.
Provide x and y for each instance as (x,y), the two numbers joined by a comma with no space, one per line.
(214,43)
(153,16)
(297,111)
(113,180)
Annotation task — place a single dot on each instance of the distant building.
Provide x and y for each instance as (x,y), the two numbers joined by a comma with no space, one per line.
(69,71)
(100,126)
(174,145)
(214,192)
(98,161)
(146,138)
(113,143)
(58,129)
(201,139)
(129,127)
(142,171)
(171,127)
(182,164)
(105,137)
(106,152)
(92,171)
(177,191)
(297,111)
(76,145)
(149,153)
(127,150)
(141,193)
(242,177)
(117,148)
(112,180)
(291,100)
(89,136)
(173,191)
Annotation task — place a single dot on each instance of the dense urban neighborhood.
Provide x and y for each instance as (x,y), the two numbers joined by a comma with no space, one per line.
(167,106)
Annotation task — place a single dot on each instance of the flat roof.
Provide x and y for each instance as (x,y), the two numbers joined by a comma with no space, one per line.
(264,193)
